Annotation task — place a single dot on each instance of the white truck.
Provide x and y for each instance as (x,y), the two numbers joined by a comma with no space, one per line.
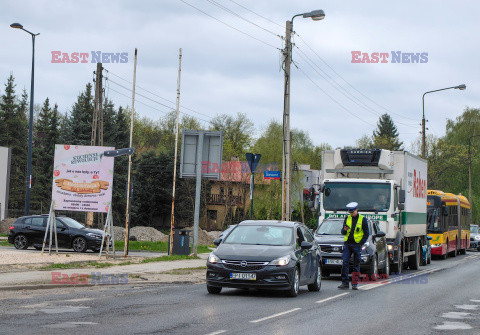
(390,187)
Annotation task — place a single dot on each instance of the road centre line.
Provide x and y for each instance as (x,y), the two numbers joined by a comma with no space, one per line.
(275,315)
(217,332)
(331,298)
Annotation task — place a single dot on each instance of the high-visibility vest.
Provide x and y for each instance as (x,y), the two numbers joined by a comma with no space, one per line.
(358,233)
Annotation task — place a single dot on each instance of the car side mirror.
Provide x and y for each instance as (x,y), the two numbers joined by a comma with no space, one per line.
(380,234)
(401,196)
(217,241)
(401,207)
(306,245)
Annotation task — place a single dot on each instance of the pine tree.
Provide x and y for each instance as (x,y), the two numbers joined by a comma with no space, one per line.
(386,135)
(78,129)
(13,134)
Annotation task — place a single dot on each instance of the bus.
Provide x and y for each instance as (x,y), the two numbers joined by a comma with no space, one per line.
(448,223)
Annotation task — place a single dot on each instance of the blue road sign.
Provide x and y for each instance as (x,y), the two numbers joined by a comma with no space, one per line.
(253,160)
(271,175)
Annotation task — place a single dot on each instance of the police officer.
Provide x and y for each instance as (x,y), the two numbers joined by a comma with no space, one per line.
(355,229)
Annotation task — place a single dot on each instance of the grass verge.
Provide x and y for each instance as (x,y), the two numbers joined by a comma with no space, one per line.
(153,246)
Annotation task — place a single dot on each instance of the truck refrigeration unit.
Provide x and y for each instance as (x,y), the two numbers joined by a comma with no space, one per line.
(390,187)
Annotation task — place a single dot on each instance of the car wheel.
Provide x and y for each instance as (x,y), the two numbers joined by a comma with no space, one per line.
(478,249)
(294,286)
(20,242)
(214,289)
(317,283)
(79,244)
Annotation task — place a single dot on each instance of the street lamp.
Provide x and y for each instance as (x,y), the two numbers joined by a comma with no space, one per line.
(30,121)
(458,87)
(315,15)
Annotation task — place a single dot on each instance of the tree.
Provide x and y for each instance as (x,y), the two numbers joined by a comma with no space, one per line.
(386,135)
(14,134)
(78,128)
(365,142)
(237,134)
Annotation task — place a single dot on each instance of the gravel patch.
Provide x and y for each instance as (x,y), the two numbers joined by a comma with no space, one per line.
(148,234)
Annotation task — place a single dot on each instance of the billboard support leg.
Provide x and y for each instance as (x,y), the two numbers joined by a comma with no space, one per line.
(197,192)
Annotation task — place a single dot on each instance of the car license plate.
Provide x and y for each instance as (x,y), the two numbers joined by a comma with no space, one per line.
(334,261)
(243,276)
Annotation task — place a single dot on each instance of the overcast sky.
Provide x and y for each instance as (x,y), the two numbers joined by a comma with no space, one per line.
(226,71)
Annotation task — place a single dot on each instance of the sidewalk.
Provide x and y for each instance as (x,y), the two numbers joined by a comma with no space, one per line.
(146,272)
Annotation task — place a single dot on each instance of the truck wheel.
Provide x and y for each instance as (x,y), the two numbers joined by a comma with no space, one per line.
(398,267)
(454,252)
(414,260)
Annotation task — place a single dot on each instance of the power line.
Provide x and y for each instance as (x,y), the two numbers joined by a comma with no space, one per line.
(230,26)
(213,2)
(157,102)
(328,95)
(339,88)
(158,96)
(359,92)
(251,11)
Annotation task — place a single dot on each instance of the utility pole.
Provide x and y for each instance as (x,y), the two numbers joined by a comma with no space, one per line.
(127,212)
(286,168)
(177,116)
(97,120)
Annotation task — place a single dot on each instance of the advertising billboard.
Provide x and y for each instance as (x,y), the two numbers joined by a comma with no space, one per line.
(82,178)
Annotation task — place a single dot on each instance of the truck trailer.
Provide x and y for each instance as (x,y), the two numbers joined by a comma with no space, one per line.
(390,187)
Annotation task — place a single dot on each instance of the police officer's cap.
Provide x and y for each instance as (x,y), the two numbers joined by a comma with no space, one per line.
(352,206)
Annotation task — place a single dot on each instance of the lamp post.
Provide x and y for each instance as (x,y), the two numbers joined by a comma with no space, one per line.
(315,15)
(470,168)
(30,121)
(459,87)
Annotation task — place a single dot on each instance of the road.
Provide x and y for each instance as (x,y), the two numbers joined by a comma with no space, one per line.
(443,298)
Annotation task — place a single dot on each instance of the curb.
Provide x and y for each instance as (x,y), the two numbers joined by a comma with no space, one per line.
(52,286)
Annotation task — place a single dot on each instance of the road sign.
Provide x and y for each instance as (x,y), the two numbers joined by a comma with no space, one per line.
(253,160)
(271,175)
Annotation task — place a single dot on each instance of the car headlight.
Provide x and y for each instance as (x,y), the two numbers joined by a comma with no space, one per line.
(365,246)
(282,261)
(213,259)
(390,247)
(94,235)
(477,237)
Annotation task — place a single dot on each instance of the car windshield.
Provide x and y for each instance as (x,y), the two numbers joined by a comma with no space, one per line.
(474,230)
(260,235)
(330,227)
(71,223)
(371,197)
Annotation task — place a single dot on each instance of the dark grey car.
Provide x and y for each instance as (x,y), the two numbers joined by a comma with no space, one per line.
(279,255)
(374,251)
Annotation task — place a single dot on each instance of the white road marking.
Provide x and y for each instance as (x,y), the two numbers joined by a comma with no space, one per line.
(456,315)
(453,325)
(217,332)
(334,297)
(467,307)
(276,315)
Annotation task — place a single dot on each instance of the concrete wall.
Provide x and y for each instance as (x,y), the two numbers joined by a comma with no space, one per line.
(5,155)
